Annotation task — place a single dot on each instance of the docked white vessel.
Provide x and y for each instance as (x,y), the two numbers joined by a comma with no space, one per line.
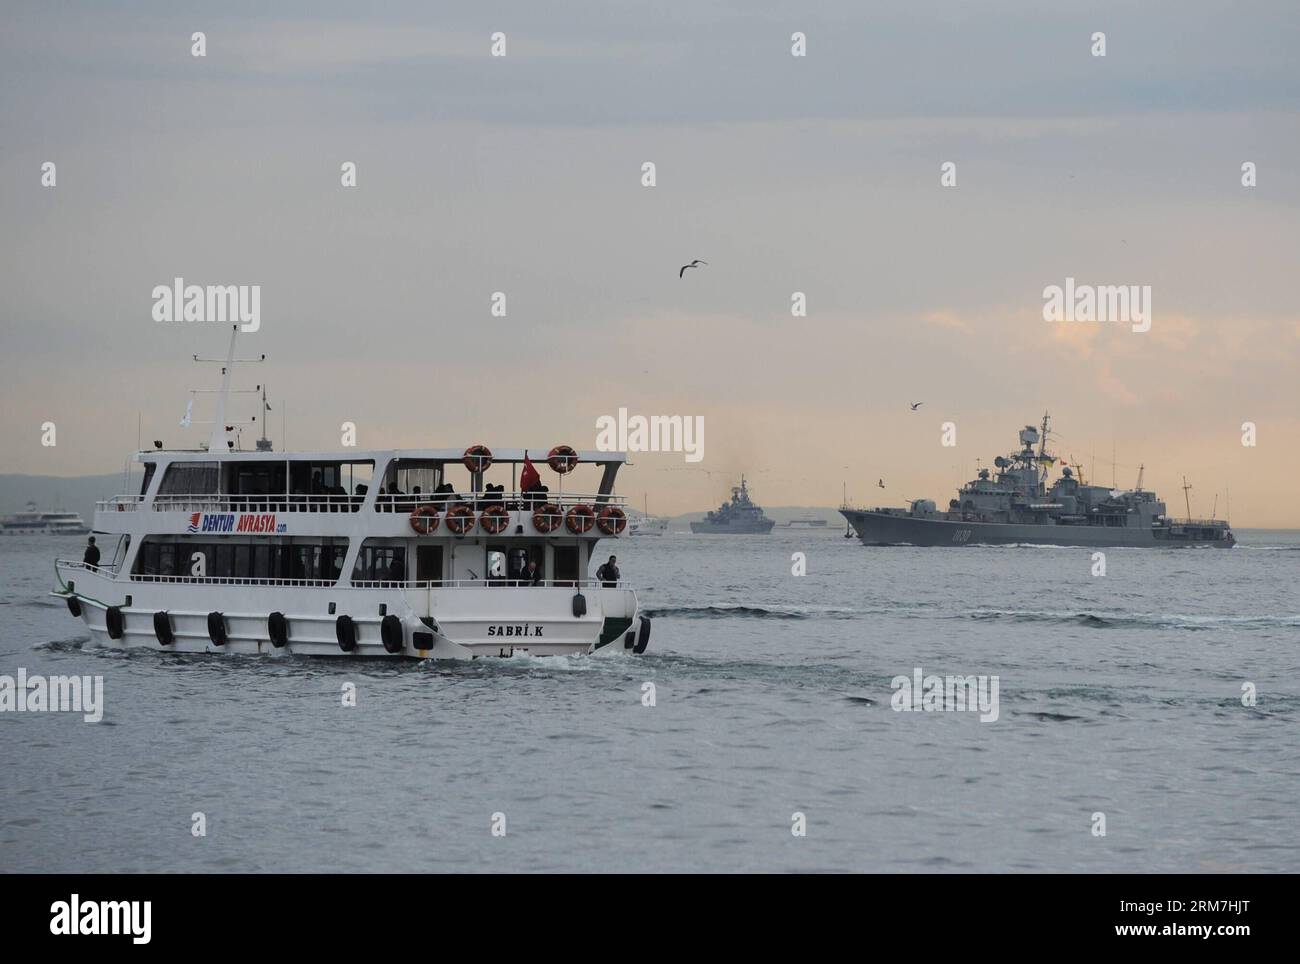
(411,553)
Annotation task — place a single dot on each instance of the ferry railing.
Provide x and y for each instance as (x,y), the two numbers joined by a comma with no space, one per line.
(119,503)
(494,583)
(260,502)
(233,580)
(78,564)
(289,581)
(355,583)
(226,502)
(401,503)
(514,501)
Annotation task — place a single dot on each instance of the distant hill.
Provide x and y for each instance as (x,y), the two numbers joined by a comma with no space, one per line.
(77,494)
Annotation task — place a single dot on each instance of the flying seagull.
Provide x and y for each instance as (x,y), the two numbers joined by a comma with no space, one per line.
(916,405)
(694,264)
(880,482)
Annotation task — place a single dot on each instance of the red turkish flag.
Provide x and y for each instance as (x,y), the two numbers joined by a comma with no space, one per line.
(529,478)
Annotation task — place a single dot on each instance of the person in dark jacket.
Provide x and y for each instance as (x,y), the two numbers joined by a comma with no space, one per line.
(531,576)
(91,558)
(608,574)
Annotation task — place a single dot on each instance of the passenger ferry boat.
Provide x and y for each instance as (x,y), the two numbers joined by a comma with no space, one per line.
(33,521)
(365,553)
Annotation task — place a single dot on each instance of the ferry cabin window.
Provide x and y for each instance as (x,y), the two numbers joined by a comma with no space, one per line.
(330,478)
(189,478)
(428,563)
(406,484)
(507,565)
(413,477)
(255,478)
(518,562)
(566,564)
(377,562)
(304,559)
(149,469)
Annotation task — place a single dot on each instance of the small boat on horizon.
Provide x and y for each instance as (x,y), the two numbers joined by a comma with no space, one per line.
(806,523)
(647,525)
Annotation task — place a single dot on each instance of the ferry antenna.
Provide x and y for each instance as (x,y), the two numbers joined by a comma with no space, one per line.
(217,440)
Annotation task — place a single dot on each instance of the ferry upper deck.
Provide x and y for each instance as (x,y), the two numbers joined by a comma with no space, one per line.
(382,487)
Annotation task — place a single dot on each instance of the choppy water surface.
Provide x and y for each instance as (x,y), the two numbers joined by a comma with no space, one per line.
(1119,694)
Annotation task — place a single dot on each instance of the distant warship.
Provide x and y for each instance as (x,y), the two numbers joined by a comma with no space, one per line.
(1014,505)
(737,517)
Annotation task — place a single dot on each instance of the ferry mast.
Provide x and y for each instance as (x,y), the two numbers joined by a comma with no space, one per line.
(217,440)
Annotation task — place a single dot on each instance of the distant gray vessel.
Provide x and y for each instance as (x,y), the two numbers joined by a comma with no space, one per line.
(1015,506)
(809,523)
(740,516)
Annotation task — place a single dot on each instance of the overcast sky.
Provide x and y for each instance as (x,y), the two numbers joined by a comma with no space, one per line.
(522,174)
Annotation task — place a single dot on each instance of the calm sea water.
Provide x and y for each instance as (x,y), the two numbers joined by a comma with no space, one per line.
(1119,694)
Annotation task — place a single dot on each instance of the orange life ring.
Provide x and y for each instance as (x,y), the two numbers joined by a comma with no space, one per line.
(477,458)
(424,519)
(580,519)
(612,520)
(547,518)
(494,519)
(562,459)
(460,518)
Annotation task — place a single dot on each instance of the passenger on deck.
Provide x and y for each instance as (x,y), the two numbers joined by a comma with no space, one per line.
(91,558)
(397,570)
(608,574)
(394,503)
(531,576)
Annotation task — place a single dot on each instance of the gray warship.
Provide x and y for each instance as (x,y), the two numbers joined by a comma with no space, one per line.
(738,517)
(1015,506)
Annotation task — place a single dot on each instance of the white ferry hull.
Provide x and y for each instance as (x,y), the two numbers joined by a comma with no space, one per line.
(462,622)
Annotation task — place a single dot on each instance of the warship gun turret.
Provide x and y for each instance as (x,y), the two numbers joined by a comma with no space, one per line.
(740,516)
(1014,504)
